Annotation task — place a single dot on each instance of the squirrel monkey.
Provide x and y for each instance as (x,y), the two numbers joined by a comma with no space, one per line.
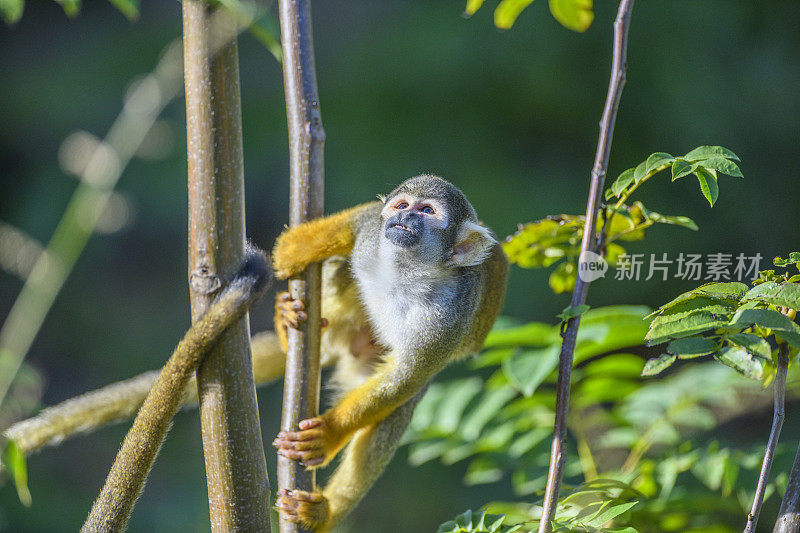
(409,284)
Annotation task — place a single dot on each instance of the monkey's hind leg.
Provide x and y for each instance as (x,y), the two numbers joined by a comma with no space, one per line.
(363,461)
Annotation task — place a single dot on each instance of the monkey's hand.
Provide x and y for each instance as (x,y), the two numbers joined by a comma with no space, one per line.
(316,240)
(310,509)
(314,445)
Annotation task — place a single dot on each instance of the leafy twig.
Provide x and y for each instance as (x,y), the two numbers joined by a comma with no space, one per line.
(558,451)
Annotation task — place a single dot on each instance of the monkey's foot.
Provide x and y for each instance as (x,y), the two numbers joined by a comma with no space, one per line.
(309,509)
(311,445)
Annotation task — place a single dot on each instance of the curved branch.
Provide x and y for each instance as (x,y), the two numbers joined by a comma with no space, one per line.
(558,449)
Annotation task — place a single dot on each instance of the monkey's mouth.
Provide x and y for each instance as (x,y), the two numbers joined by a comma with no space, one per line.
(403,235)
(404,228)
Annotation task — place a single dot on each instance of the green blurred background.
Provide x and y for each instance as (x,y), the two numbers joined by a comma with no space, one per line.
(405,87)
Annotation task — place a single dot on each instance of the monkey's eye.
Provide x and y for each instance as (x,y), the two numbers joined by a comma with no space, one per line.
(401,205)
(428,210)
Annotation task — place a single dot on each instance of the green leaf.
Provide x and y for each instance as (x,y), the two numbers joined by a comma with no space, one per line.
(129,8)
(11,10)
(477,417)
(563,278)
(573,311)
(752,343)
(722,292)
(681,168)
(639,172)
(705,152)
(472,7)
(691,347)
(720,164)
(731,291)
(708,185)
(656,160)
(622,182)
(14,461)
(694,314)
(783,295)
(697,322)
(767,318)
(528,369)
(507,12)
(610,513)
(70,7)
(743,362)
(574,15)
(658,364)
(532,334)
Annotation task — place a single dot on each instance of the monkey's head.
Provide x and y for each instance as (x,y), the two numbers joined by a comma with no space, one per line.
(431,219)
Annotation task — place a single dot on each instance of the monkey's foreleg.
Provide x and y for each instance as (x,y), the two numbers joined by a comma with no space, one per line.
(363,461)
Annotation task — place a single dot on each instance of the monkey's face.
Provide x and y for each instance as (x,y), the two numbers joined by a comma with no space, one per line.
(412,222)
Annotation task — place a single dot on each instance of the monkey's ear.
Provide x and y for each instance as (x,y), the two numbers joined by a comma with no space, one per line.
(473,244)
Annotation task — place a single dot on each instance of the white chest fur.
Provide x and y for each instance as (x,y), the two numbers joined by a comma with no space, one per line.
(403,306)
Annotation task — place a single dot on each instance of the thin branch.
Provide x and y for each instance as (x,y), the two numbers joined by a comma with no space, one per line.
(779,388)
(125,481)
(617,81)
(238,489)
(306,145)
(789,515)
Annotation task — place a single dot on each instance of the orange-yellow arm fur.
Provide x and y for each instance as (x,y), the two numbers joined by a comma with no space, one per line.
(316,240)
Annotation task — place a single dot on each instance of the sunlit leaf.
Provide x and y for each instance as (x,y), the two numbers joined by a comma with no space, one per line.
(610,513)
(70,7)
(752,343)
(622,182)
(573,311)
(11,10)
(13,460)
(472,7)
(720,164)
(656,160)
(507,12)
(741,361)
(705,152)
(658,364)
(708,185)
(767,318)
(563,278)
(129,8)
(681,168)
(526,370)
(573,14)
(639,172)
(532,334)
(785,295)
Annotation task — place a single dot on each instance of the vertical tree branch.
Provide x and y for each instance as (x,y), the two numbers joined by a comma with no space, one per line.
(789,516)
(570,332)
(306,144)
(238,489)
(779,388)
